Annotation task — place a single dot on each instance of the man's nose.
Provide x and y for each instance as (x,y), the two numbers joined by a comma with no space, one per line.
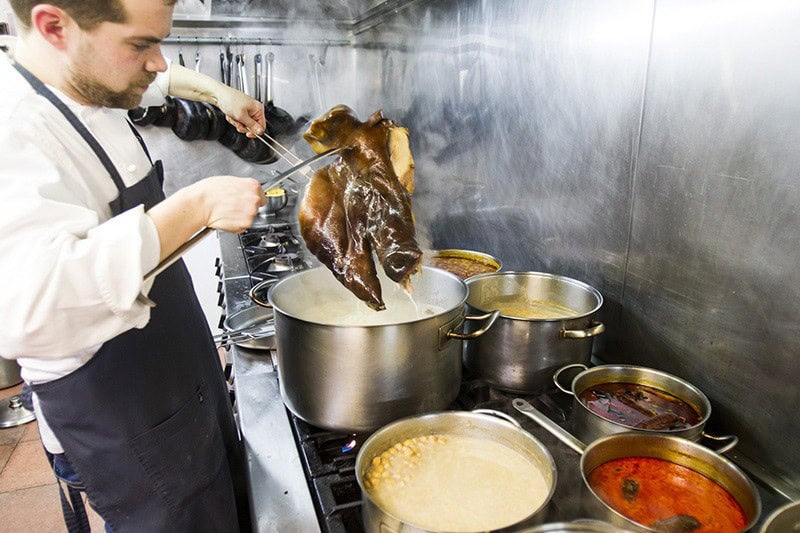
(156,61)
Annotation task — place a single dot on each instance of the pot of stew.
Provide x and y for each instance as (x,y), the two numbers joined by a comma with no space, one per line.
(610,399)
(651,482)
(546,321)
(454,471)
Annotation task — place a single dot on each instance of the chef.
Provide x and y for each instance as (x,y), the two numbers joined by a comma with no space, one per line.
(131,399)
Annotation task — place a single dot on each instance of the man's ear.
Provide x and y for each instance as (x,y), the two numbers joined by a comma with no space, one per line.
(51,22)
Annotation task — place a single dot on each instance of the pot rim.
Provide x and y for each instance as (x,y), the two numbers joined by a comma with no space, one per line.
(502,425)
(563,279)
(600,368)
(459,307)
(669,442)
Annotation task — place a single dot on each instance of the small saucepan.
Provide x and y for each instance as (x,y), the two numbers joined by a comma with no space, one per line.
(649,482)
(611,399)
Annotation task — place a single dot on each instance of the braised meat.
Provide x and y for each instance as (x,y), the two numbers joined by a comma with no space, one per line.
(360,204)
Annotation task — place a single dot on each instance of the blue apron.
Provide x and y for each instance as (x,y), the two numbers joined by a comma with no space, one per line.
(147,422)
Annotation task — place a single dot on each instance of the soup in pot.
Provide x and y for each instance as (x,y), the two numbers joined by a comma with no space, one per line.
(455,483)
(515,307)
(666,496)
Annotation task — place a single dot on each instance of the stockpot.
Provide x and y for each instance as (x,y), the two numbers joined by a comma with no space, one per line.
(356,378)
(589,426)
(676,450)
(481,423)
(521,354)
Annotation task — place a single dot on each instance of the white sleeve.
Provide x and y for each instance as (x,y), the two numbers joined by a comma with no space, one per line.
(159,89)
(69,281)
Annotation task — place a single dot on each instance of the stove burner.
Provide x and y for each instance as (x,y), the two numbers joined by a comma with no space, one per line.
(287,261)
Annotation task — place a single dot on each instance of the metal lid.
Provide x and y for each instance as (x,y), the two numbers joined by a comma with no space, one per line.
(12,413)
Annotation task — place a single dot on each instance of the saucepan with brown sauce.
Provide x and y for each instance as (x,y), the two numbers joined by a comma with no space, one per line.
(546,321)
(463,263)
(612,399)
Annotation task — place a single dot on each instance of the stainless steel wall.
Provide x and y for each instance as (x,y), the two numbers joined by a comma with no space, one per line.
(650,149)
(647,148)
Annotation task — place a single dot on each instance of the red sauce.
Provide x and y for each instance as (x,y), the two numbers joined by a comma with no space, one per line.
(639,406)
(648,491)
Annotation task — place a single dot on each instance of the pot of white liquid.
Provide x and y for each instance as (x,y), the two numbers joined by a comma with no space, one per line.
(345,367)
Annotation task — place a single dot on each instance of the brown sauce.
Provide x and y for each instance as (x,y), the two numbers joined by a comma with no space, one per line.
(666,496)
(462,267)
(639,406)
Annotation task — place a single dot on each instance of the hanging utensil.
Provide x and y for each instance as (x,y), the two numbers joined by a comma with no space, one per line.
(243,74)
(258,68)
(279,122)
(197,58)
(180,53)
(174,256)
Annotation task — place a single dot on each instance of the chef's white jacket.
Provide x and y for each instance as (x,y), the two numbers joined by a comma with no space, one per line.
(71,273)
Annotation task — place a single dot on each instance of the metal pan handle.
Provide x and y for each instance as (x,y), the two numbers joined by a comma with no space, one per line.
(490,320)
(595,328)
(733,441)
(540,418)
(558,373)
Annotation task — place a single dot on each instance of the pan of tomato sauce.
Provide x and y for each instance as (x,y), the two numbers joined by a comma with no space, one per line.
(655,482)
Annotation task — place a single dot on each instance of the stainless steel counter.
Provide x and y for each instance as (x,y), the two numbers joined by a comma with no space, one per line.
(280,499)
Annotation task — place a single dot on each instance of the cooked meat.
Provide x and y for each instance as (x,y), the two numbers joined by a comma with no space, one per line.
(361,203)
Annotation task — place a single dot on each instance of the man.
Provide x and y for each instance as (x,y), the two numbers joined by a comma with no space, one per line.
(131,399)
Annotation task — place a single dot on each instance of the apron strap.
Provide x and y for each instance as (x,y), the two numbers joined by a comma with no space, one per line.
(74,510)
(42,89)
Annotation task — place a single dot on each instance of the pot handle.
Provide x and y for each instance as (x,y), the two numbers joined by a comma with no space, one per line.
(557,375)
(540,418)
(257,288)
(595,328)
(499,414)
(734,440)
(490,319)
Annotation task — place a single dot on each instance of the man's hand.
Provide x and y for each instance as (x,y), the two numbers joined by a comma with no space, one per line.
(244,113)
(220,202)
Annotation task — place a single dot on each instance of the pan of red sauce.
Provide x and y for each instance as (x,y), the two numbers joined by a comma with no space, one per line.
(611,399)
(655,482)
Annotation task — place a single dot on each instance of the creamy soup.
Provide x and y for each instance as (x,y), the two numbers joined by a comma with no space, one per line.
(400,307)
(513,306)
(455,483)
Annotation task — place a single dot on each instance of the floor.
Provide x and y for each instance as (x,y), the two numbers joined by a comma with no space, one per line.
(29,499)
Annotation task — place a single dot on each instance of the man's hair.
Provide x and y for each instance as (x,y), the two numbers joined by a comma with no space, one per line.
(88,14)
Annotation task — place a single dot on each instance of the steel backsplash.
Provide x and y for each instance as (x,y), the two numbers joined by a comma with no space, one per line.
(647,149)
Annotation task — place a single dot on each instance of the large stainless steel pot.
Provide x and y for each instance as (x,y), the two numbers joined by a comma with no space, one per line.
(521,354)
(473,424)
(359,377)
(674,449)
(590,426)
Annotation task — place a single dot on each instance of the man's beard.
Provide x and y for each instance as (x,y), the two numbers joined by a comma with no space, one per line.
(92,90)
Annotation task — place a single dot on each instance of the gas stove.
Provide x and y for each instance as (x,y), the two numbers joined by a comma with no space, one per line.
(302,478)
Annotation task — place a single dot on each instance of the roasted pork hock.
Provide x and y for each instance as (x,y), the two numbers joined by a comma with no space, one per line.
(361,203)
